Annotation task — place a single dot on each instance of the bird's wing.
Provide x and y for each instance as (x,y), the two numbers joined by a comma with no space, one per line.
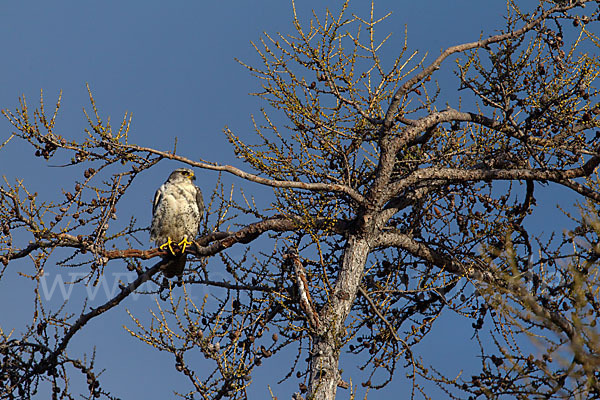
(157,198)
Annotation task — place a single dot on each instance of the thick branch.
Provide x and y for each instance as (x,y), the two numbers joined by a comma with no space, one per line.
(410,134)
(207,245)
(454,175)
(305,299)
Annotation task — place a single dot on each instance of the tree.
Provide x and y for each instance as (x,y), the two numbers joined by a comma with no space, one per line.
(392,207)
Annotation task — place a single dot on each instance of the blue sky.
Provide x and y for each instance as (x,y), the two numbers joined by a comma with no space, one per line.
(172,65)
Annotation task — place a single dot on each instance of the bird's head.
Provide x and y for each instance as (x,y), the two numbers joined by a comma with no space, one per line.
(181,174)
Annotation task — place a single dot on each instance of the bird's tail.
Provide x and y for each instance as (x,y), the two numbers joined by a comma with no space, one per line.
(174,266)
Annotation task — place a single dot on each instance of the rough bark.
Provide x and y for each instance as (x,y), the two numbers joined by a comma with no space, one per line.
(325,352)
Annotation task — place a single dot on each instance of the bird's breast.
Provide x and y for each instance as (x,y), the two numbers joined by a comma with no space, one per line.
(177,214)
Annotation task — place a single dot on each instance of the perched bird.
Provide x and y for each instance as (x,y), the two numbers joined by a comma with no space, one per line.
(176,214)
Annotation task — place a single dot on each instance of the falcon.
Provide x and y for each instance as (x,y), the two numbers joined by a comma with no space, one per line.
(176,214)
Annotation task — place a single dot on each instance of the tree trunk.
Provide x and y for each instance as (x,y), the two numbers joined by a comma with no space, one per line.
(325,351)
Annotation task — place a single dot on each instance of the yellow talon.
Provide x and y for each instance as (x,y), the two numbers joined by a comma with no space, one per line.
(184,243)
(168,244)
